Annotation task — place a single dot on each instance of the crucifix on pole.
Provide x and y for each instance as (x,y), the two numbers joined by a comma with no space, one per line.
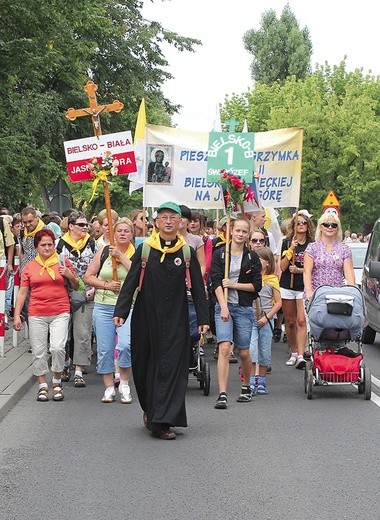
(94,110)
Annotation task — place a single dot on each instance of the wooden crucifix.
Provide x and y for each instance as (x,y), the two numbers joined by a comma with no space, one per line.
(94,110)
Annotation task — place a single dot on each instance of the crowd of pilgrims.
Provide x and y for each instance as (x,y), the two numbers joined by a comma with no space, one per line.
(69,292)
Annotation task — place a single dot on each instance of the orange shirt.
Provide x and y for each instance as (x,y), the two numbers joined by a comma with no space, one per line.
(48,297)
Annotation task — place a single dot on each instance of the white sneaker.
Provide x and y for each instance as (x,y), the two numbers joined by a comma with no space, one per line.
(300,363)
(125,393)
(292,360)
(109,395)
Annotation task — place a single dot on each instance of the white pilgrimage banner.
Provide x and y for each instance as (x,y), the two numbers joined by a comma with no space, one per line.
(176,168)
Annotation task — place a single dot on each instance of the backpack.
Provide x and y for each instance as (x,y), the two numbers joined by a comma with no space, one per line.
(103,257)
(145,255)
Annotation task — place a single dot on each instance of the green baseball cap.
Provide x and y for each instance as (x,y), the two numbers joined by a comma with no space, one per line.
(170,205)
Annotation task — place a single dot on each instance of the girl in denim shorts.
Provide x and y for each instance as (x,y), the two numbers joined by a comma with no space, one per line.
(233,315)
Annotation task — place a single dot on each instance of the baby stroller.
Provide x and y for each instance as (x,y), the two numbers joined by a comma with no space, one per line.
(201,372)
(336,317)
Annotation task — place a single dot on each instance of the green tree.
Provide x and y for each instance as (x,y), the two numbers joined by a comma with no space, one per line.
(340,114)
(280,48)
(49,50)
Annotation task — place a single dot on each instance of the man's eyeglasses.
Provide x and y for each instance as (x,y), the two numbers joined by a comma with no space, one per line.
(301,223)
(258,240)
(81,224)
(332,225)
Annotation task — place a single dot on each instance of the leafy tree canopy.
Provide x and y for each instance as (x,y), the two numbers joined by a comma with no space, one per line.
(340,114)
(280,48)
(49,51)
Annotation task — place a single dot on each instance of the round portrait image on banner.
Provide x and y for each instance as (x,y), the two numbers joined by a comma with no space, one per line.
(160,161)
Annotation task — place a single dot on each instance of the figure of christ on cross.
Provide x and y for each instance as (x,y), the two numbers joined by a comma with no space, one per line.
(94,110)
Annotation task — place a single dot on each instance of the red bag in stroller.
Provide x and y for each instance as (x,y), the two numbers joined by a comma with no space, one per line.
(336,367)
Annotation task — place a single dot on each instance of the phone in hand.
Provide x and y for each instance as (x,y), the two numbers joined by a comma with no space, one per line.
(61,260)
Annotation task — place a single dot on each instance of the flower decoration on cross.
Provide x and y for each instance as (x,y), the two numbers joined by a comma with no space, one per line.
(101,168)
(235,192)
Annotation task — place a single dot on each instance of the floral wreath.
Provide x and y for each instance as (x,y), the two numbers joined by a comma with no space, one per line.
(235,192)
(101,168)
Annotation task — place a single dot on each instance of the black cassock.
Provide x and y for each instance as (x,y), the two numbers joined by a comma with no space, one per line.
(160,332)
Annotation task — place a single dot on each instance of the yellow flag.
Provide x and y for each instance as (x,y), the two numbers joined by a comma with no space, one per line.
(137,179)
(141,122)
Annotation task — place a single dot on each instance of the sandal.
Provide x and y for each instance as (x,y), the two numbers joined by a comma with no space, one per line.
(57,392)
(245,395)
(42,394)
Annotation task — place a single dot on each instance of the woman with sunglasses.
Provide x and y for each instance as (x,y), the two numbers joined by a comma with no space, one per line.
(300,235)
(257,239)
(328,261)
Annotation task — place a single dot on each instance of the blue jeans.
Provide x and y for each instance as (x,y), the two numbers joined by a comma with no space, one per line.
(106,332)
(238,328)
(261,345)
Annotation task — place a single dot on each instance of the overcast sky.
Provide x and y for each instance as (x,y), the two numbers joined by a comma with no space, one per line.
(221,66)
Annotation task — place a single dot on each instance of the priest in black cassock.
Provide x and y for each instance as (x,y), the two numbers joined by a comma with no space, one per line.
(160,323)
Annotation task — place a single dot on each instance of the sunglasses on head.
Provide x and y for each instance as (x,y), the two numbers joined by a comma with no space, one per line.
(301,223)
(81,224)
(332,225)
(258,240)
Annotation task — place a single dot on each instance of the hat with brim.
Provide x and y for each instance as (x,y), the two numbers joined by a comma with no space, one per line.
(305,213)
(185,212)
(172,206)
(223,221)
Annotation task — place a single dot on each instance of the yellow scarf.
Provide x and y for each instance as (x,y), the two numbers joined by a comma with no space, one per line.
(154,241)
(272,280)
(52,260)
(129,252)
(40,225)
(76,246)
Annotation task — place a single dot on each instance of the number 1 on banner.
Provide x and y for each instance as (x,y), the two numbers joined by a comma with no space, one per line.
(230,155)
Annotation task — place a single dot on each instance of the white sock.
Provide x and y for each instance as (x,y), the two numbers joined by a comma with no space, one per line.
(56,381)
(78,373)
(42,385)
(123,381)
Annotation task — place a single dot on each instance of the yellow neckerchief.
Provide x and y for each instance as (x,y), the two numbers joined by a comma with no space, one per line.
(272,280)
(52,260)
(40,225)
(221,242)
(76,246)
(154,241)
(128,253)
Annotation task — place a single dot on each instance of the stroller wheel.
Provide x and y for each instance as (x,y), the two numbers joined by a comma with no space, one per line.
(367,384)
(309,383)
(305,375)
(206,379)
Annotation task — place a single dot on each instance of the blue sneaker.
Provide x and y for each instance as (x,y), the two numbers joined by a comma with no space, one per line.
(261,390)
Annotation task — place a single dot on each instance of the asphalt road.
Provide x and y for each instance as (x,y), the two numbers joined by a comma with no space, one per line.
(279,457)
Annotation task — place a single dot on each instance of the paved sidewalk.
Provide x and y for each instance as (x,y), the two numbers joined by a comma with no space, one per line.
(16,372)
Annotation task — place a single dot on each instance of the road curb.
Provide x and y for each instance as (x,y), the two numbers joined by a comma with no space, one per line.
(16,391)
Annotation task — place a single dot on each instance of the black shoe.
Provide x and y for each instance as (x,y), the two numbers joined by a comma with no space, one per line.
(284,338)
(216,352)
(269,369)
(221,402)
(233,359)
(276,335)
(245,395)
